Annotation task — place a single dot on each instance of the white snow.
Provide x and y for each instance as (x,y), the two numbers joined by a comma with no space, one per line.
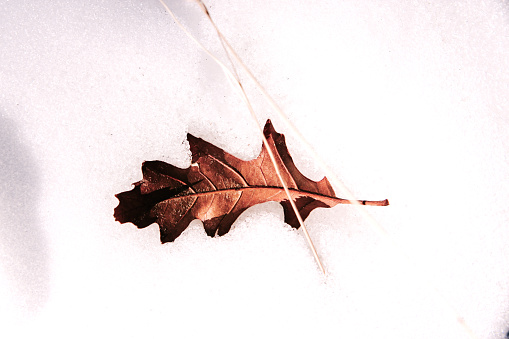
(405,100)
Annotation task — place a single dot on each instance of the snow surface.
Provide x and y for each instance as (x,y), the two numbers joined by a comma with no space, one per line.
(405,100)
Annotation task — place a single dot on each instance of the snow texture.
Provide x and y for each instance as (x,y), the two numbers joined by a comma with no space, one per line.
(405,100)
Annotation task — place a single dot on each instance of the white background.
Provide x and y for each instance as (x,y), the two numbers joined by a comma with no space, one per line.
(405,100)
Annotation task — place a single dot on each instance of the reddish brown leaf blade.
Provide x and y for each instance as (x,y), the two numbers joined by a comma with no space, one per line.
(218,187)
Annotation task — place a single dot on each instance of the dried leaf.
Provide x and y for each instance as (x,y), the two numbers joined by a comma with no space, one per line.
(218,187)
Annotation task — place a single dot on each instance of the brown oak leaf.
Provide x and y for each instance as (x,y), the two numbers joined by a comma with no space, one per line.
(218,187)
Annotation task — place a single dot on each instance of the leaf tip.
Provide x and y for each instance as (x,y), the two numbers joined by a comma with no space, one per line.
(268,128)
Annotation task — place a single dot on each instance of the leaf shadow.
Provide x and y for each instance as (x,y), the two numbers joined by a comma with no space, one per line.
(24,247)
